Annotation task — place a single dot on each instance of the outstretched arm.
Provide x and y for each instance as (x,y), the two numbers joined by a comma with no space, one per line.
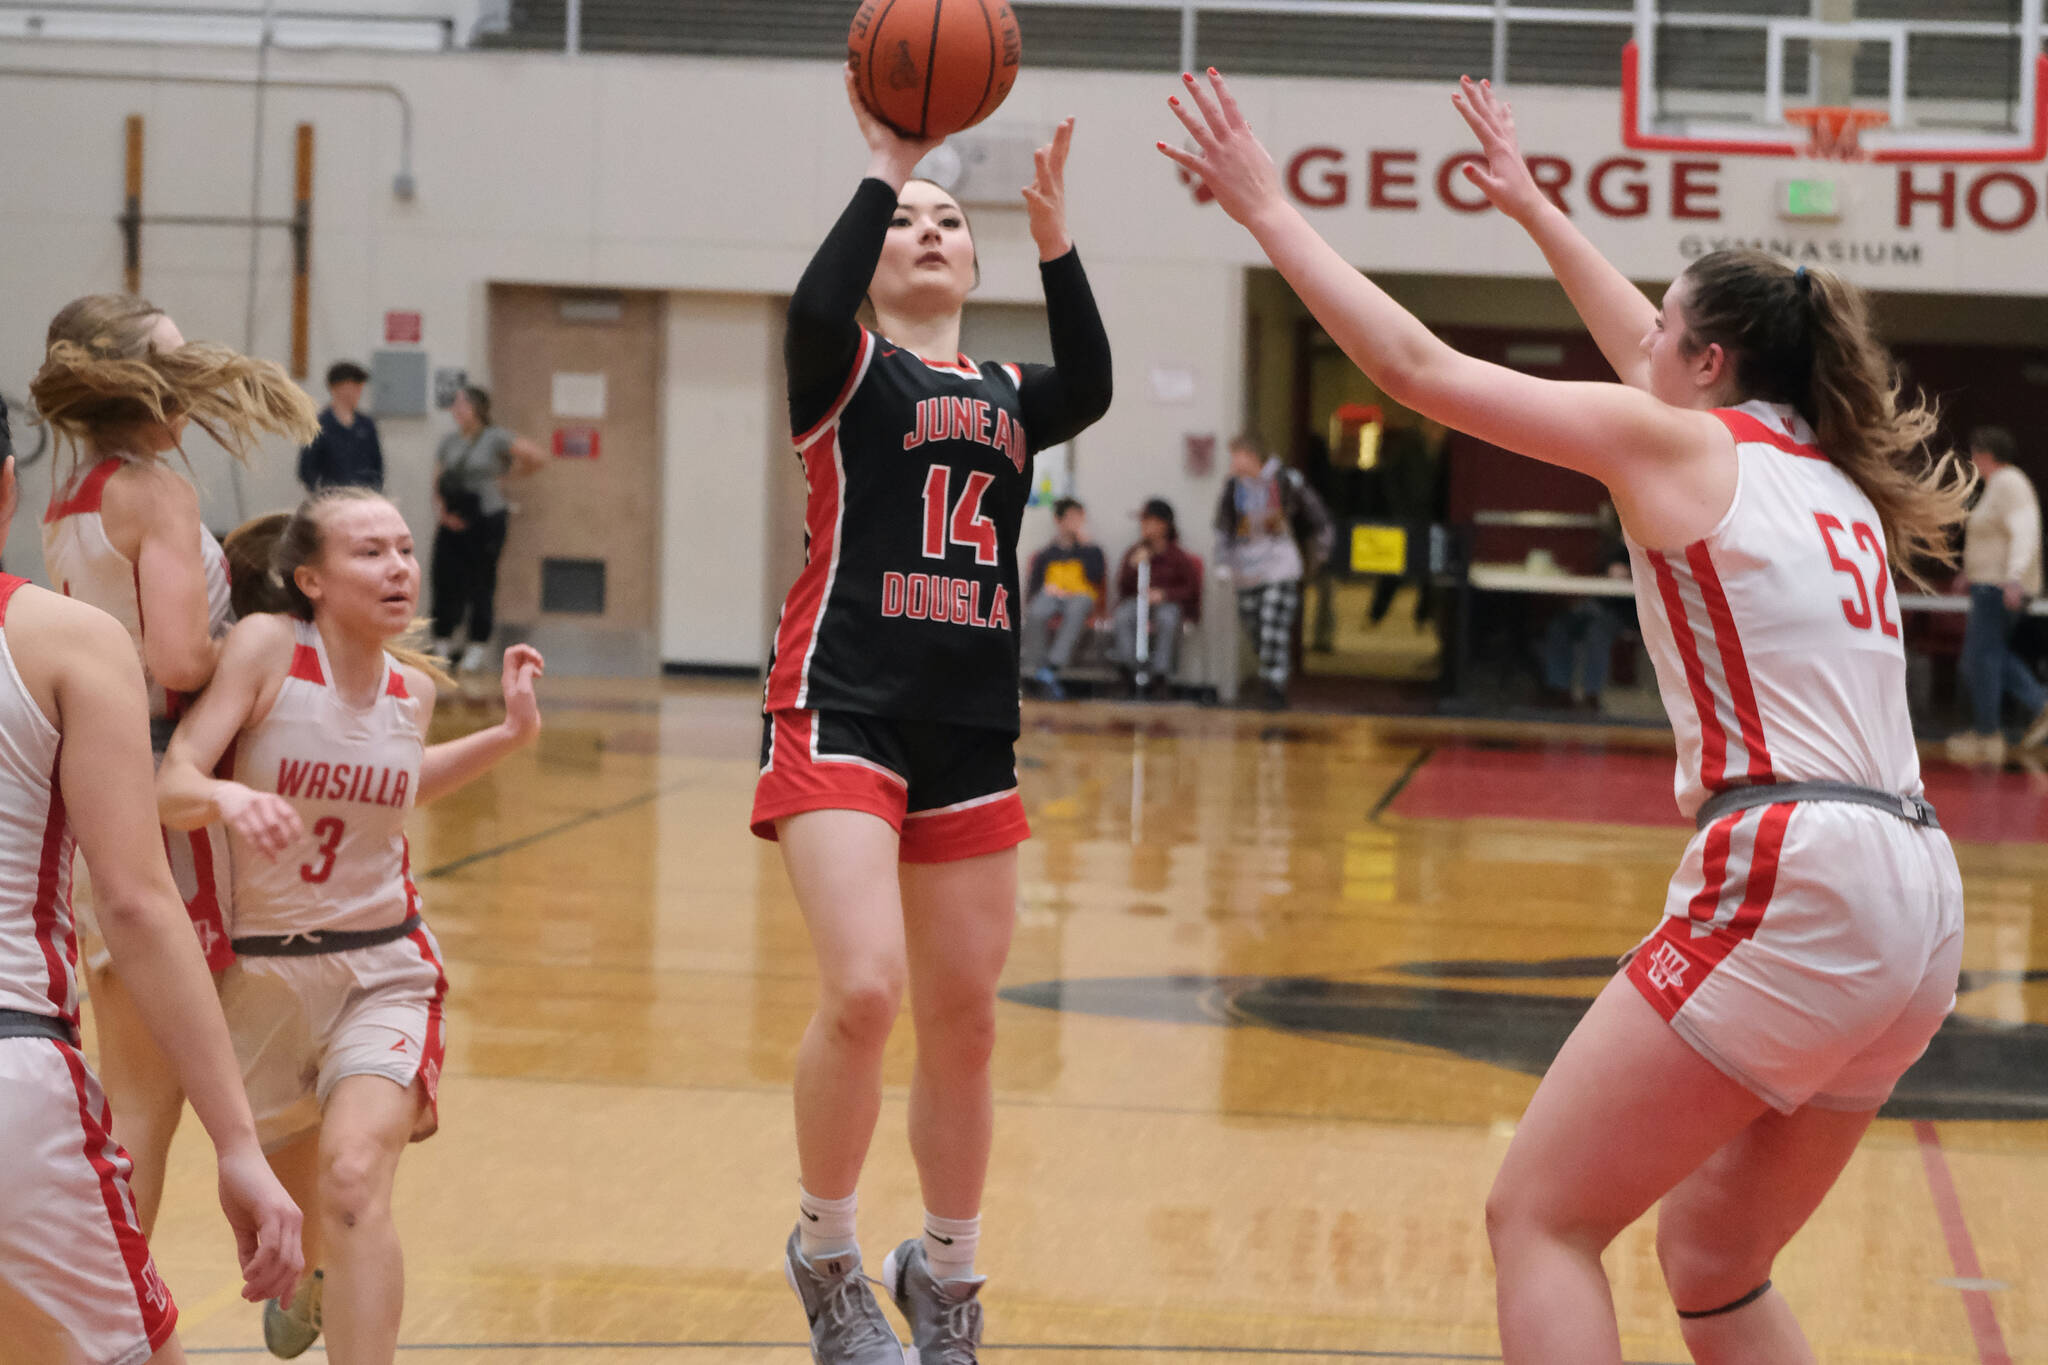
(1671,470)
(1066,399)
(1613,309)
(451,764)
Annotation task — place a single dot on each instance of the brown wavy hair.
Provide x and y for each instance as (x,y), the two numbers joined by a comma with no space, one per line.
(1804,337)
(265,553)
(101,379)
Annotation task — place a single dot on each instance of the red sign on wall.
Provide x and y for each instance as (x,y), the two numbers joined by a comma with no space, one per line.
(402,327)
(576,443)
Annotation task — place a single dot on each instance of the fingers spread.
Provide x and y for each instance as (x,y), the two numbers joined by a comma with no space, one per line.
(1188,160)
(1226,101)
(1211,115)
(1062,143)
(1188,121)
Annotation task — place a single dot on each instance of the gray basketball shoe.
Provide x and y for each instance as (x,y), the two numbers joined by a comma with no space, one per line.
(847,1326)
(290,1332)
(944,1315)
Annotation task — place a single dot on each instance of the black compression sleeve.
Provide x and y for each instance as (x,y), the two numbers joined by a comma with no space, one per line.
(1066,399)
(823,337)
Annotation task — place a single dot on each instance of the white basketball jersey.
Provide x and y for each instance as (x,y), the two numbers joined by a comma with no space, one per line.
(1776,638)
(38,946)
(84,564)
(352,775)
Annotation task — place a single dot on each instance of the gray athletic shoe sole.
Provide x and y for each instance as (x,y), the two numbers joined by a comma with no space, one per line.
(290,1332)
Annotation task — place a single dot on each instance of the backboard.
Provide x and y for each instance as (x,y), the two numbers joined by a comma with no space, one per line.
(1828,84)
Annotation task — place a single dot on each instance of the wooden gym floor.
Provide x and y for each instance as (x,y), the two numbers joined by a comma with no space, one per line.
(1281,988)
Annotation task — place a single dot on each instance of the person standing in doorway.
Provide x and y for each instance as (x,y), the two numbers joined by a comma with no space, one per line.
(346,453)
(2002,563)
(470,470)
(1064,590)
(1271,531)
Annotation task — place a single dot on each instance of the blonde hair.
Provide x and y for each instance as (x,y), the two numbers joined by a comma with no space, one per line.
(265,554)
(101,378)
(1804,337)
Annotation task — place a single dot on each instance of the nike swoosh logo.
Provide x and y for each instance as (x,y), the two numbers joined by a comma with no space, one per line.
(942,1241)
(808,1214)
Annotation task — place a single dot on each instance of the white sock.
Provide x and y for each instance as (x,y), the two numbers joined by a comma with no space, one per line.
(949,1245)
(824,1226)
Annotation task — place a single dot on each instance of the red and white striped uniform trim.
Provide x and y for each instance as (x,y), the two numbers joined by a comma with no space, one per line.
(1733,748)
(1739,875)
(111,1164)
(796,634)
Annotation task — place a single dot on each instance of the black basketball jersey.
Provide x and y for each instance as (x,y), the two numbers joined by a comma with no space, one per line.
(907,604)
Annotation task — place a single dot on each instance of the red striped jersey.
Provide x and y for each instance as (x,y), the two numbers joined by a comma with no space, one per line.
(84,564)
(907,603)
(38,944)
(1776,638)
(352,774)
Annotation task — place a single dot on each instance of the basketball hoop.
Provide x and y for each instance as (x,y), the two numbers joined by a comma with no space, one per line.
(1832,131)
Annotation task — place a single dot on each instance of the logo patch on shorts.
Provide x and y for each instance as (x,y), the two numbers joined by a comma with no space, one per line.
(1667,968)
(398,1046)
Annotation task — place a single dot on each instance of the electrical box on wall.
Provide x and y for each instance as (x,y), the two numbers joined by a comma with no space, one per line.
(398,383)
(984,168)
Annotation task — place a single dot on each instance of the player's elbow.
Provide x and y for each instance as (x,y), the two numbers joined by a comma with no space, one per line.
(126,912)
(181,666)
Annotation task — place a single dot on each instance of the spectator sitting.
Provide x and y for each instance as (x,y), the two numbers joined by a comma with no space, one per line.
(1066,584)
(2002,561)
(346,453)
(1175,596)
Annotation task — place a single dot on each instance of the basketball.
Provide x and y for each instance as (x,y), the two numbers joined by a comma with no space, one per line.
(932,67)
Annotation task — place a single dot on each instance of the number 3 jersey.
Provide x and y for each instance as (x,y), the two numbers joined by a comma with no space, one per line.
(1776,637)
(907,604)
(352,775)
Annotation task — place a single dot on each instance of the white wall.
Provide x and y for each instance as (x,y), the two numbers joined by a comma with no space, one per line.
(717,177)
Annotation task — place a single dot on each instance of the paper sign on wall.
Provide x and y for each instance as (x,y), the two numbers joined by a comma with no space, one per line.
(579,395)
(1171,384)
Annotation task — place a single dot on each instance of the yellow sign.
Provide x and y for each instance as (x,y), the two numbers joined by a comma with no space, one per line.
(1379,549)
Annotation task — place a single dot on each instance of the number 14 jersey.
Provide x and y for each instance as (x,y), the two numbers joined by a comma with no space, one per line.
(1776,638)
(352,774)
(907,604)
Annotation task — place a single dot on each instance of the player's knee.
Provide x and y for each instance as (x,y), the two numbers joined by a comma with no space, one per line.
(1521,1211)
(352,1183)
(958,1034)
(861,1009)
(1708,1261)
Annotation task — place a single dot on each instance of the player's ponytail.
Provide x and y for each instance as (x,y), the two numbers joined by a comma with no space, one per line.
(102,379)
(253,584)
(1804,337)
(265,555)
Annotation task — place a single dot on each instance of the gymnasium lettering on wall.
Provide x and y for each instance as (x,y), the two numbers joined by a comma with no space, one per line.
(1974,1069)
(1682,190)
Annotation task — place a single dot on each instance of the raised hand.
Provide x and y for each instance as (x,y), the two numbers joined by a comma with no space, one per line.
(1228,159)
(523,664)
(266,1224)
(1045,198)
(891,156)
(1505,177)
(269,822)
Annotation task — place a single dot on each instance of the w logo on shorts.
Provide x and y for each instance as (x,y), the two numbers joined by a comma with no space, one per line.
(154,1291)
(1666,969)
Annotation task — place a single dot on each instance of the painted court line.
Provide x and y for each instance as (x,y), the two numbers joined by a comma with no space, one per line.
(1059,1348)
(1962,1252)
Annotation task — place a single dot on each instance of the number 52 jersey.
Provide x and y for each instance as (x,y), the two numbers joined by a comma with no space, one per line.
(1776,638)
(907,603)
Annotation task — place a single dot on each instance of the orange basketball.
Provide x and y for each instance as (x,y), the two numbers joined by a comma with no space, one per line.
(933,67)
